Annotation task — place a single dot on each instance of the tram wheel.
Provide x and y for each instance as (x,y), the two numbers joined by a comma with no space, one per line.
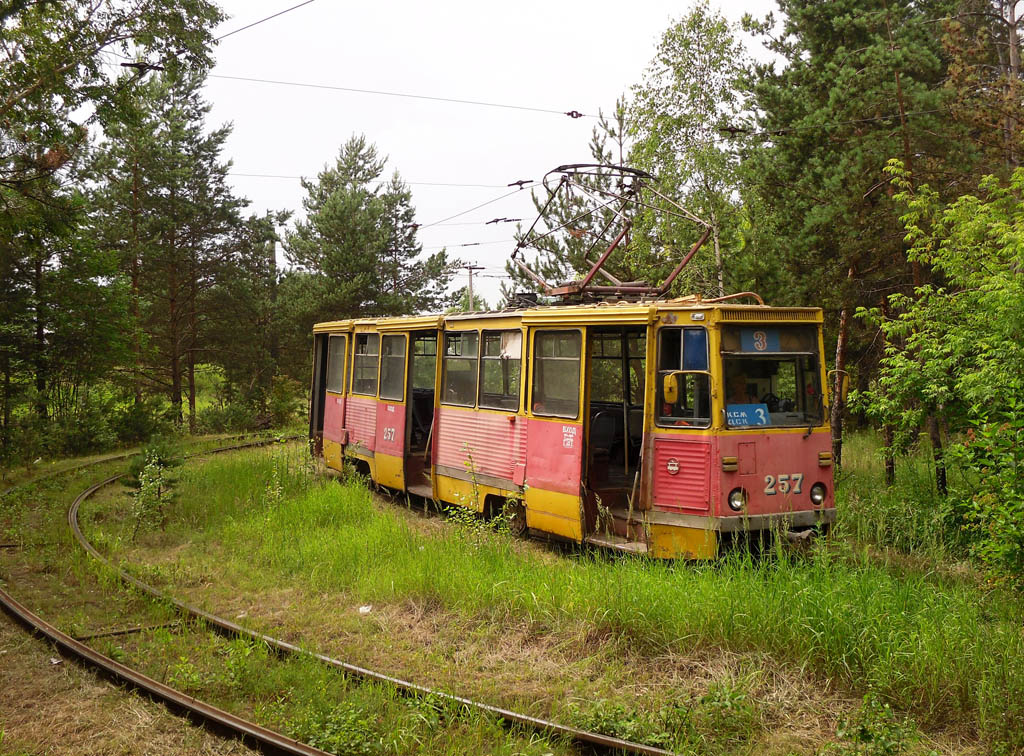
(515,516)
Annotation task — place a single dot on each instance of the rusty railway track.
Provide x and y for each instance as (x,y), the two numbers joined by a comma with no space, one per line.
(267,740)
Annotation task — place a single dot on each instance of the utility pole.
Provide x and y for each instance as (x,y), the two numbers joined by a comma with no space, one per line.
(471,268)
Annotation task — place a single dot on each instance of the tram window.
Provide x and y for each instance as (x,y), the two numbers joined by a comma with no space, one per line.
(681,350)
(606,367)
(556,373)
(636,345)
(500,366)
(424,354)
(392,368)
(336,364)
(364,364)
(772,376)
(460,361)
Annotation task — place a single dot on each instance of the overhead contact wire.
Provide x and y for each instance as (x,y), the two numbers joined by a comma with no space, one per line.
(408,95)
(262,20)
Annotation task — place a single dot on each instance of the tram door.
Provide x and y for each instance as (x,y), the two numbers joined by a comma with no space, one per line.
(318,394)
(420,412)
(389,451)
(615,371)
(554,442)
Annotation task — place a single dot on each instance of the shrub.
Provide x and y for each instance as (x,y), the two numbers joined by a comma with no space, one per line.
(994,453)
(134,423)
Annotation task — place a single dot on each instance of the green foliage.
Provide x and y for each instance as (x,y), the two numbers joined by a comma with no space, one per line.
(460,301)
(163,452)
(720,720)
(357,249)
(993,452)
(340,729)
(954,351)
(692,89)
(150,500)
(908,516)
(874,730)
(136,422)
(184,676)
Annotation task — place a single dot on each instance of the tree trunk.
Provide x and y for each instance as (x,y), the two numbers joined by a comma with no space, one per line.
(40,340)
(273,346)
(174,340)
(838,400)
(135,273)
(890,459)
(718,257)
(935,434)
(191,391)
(1013,81)
(193,343)
(5,434)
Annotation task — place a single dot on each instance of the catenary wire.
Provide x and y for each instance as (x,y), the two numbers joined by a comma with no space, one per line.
(408,95)
(262,20)
(410,183)
(477,207)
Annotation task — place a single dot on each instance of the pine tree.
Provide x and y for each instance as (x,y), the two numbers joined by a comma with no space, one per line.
(166,207)
(356,253)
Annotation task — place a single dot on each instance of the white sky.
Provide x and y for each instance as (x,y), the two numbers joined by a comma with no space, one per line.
(559,54)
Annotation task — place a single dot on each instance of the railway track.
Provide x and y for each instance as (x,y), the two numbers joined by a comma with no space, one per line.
(267,740)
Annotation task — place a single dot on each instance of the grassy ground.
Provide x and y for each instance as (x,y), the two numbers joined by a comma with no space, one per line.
(743,655)
(883,640)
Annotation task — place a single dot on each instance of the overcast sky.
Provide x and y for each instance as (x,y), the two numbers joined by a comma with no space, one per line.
(561,55)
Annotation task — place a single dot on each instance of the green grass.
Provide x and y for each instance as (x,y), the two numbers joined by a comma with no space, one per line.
(314,704)
(910,516)
(941,650)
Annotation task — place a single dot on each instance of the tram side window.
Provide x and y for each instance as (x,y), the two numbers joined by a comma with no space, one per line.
(364,364)
(683,352)
(606,367)
(556,373)
(336,364)
(500,367)
(392,368)
(460,362)
(424,357)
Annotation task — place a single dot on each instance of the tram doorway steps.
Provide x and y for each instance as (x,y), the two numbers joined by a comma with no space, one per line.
(423,490)
(618,543)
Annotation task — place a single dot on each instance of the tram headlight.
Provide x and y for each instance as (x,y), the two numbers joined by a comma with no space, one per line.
(818,492)
(737,499)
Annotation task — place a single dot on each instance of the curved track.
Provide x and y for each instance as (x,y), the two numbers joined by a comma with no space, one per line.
(266,738)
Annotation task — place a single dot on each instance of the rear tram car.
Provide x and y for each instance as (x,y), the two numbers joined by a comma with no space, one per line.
(664,428)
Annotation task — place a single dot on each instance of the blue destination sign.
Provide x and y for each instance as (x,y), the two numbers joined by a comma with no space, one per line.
(759,339)
(748,414)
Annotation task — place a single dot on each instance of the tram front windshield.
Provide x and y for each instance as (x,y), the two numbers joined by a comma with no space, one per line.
(772,376)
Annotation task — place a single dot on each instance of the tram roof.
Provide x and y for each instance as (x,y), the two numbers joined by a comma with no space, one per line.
(602,313)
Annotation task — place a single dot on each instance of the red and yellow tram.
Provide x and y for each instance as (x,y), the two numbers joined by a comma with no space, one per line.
(662,427)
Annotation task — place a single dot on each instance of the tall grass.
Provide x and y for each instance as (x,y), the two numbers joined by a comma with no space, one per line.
(909,516)
(942,650)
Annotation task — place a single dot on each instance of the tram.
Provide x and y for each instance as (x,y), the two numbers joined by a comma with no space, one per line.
(661,427)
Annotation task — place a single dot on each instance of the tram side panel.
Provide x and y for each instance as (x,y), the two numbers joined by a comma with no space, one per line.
(361,427)
(334,429)
(478,452)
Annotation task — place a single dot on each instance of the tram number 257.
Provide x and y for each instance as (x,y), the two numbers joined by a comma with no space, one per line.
(389,434)
(783,484)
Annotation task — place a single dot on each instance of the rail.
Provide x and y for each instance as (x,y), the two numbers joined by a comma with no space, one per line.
(266,738)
